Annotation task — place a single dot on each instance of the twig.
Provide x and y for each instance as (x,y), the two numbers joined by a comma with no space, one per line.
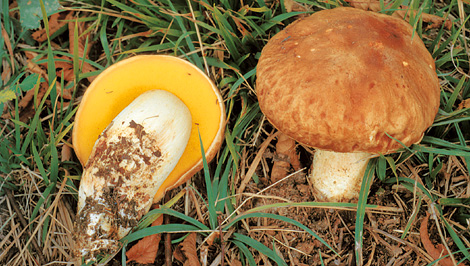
(415,248)
(222,244)
(23,222)
(254,164)
(167,237)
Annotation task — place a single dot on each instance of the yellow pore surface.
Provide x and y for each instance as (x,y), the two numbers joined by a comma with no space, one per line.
(117,86)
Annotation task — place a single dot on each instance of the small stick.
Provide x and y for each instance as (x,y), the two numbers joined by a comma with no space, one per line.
(168,253)
(222,244)
(23,222)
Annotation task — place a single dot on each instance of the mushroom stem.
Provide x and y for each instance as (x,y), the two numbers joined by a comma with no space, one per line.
(337,176)
(129,162)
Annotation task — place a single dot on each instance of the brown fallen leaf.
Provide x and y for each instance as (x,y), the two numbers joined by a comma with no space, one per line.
(186,251)
(212,237)
(178,254)
(145,251)
(464,104)
(56,21)
(236,262)
(66,153)
(7,42)
(286,156)
(402,12)
(435,252)
(293,6)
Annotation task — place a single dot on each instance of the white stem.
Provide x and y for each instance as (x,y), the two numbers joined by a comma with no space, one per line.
(337,176)
(129,162)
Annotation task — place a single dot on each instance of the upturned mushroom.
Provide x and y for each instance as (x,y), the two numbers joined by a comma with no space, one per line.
(137,134)
(349,83)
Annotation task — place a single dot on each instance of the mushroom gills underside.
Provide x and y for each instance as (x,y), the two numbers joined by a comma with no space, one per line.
(337,176)
(129,162)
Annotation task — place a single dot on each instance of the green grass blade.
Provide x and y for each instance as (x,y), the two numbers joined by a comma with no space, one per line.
(50,57)
(211,200)
(280,218)
(425,149)
(240,80)
(444,143)
(412,182)
(260,248)
(54,166)
(166,228)
(412,219)
(315,204)
(455,237)
(168,211)
(44,196)
(455,94)
(39,164)
(223,188)
(361,209)
(195,58)
(104,41)
(245,251)
(451,121)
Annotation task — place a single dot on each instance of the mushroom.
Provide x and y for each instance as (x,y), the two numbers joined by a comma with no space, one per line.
(351,83)
(137,132)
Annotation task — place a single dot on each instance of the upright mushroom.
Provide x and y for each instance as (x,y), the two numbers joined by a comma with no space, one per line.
(349,83)
(137,134)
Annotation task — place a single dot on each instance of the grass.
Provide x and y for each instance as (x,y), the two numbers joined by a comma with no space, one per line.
(232,195)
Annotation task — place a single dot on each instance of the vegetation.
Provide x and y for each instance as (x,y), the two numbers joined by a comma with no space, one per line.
(253,221)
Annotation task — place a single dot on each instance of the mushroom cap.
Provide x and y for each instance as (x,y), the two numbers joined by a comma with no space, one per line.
(342,79)
(117,86)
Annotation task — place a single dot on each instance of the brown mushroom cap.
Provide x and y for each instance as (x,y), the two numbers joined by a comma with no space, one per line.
(342,79)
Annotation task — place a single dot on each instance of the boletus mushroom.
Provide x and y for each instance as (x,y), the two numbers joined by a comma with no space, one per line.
(137,132)
(349,83)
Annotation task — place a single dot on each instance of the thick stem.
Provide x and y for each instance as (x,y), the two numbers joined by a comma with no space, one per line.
(129,162)
(337,176)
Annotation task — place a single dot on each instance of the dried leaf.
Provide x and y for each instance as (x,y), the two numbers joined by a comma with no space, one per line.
(435,252)
(236,262)
(6,74)
(186,251)
(64,68)
(178,254)
(66,153)
(33,67)
(7,43)
(56,21)
(464,104)
(293,6)
(213,236)
(145,251)
(286,156)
